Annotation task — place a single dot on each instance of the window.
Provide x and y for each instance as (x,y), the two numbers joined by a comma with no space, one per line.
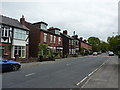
(45,37)
(51,36)
(5,31)
(43,26)
(70,42)
(20,50)
(19,34)
(57,32)
(54,39)
(59,40)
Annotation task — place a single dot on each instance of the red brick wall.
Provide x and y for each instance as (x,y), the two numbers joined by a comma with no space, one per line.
(7,50)
(84,45)
(48,39)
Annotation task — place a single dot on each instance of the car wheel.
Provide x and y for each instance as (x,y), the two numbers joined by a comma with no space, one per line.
(15,67)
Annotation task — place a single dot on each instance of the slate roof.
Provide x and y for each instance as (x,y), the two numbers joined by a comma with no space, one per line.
(12,22)
(66,36)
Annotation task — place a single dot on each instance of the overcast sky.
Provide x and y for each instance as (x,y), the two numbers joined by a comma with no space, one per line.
(87,18)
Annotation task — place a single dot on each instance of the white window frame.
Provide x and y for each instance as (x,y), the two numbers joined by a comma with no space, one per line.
(4,29)
(54,39)
(51,38)
(45,37)
(22,49)
(19,34)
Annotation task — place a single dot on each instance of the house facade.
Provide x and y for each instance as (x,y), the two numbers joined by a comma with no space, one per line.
(40,34)
(76,43)
(14,38)
(68,44)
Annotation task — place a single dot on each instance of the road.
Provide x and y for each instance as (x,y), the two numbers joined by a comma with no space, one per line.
(59,74)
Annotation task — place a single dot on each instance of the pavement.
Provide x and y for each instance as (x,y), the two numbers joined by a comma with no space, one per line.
(25,65)
(105,76)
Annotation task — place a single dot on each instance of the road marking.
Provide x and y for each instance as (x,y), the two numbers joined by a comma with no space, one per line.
(29,74)
(90,75)
(93,72)
(81,81)
(68,64)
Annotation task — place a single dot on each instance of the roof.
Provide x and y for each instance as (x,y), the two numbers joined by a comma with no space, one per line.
(12,22)
(86,43)
(66,36)
(52,28)
(41,30)
(40,23)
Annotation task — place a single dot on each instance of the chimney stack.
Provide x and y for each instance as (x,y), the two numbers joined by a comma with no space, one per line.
(85,40)
(81,38)
(65,32)
(22,20)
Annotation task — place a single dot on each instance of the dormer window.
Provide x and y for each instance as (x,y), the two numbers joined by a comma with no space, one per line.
(43,26)
(57,32)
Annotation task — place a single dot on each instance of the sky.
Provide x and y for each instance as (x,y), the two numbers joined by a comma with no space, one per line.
(98,18)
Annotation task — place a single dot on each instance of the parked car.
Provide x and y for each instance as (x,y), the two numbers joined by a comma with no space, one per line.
(9,65)
(110,53)
(99,52)
(95,53)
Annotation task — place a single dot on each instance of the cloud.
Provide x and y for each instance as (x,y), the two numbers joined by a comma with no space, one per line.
(86,17)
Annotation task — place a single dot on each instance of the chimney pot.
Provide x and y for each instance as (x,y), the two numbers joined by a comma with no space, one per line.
(65,32)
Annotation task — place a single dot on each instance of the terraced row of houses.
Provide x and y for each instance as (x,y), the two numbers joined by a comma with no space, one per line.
(22,38)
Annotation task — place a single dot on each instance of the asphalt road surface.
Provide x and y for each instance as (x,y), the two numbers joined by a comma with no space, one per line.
(59,74)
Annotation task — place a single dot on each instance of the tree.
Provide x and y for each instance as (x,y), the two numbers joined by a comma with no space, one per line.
(114,44)
(95,42)
(103,46)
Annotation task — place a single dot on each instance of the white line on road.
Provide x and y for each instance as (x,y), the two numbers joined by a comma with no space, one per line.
(81,81)
(89,75)
(68,64)
(92,73)
(29,74)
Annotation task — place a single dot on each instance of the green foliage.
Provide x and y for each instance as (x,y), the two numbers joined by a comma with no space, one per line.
(114,44)
(75,55)
(82,52)
(103,46)
(57,55)
(44,51)
(95,42)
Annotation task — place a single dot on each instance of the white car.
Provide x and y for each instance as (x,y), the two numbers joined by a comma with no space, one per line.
(110,53)
(95,53)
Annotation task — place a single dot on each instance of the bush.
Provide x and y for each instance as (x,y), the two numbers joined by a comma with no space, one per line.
(75,55)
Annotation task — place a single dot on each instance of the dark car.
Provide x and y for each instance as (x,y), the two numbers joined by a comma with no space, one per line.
(9,65)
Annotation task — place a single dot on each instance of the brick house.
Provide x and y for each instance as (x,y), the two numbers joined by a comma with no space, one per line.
(14,38)
(68,44)
(40,34)
(85,45)
(76,43)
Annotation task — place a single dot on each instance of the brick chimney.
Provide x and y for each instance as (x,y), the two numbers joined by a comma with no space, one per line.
(75,36)
(22,20)
(85,40)
(65,32)
(81,38)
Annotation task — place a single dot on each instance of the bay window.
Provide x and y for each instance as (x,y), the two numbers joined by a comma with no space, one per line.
(19,34)
(20,50)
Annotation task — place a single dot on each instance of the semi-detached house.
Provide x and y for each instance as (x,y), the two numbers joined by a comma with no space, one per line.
(40,34)
(14,38)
